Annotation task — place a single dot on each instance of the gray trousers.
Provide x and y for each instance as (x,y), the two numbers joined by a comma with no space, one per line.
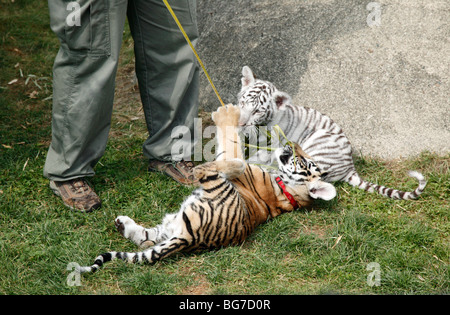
(84,71)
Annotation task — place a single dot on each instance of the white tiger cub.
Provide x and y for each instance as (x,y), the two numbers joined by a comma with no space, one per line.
(262,104)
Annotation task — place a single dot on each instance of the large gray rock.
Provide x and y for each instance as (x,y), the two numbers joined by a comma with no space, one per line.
(387,86)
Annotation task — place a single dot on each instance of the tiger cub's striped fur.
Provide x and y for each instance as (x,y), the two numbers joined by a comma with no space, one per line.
(262,104)
(234,198)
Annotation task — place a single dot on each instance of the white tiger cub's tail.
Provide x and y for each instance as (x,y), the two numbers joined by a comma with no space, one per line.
(356,181)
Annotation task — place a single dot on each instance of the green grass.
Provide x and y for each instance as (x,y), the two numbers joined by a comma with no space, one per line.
(324,249)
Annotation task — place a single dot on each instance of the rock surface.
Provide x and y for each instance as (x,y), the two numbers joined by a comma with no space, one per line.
(385,81)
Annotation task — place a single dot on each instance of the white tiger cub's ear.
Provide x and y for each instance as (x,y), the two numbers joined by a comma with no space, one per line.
(281,99)
(247,77)
(321,190)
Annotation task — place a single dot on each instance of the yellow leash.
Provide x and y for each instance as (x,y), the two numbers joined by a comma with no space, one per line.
(193,49)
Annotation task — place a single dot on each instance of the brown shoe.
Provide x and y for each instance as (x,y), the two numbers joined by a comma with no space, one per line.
(181,171)
(76,194)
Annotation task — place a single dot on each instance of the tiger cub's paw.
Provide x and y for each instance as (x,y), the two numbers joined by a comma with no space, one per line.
(226,116)
(126,226)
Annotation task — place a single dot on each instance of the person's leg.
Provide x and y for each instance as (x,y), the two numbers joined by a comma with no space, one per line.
(84,71)
(167,72)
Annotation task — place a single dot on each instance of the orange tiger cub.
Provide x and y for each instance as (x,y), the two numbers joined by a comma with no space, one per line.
(233,199)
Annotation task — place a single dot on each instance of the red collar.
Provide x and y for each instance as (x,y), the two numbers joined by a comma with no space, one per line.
(288,195)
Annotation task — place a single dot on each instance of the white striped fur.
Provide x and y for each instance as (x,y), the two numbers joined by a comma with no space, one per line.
(262,104)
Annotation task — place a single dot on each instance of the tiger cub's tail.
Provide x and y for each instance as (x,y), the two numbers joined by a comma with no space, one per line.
(100,260)
(148,256)
(139,257)
(356,181)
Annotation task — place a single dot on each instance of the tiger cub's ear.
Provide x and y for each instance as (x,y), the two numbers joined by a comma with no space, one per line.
(281,99)
(321,190)
(247,77)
